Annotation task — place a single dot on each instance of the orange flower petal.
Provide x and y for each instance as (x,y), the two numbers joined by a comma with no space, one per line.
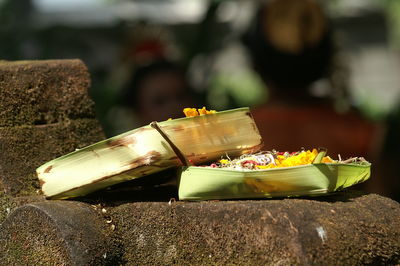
(189,112)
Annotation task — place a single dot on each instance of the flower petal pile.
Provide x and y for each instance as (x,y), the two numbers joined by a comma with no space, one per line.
(273,159)
(189,112)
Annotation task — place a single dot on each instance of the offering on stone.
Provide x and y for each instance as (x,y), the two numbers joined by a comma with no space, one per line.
(272,174)
(201,137)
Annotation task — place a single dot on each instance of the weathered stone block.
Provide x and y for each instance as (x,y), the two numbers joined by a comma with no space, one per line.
(346,231)
(43,92)
(45,112)
(56,233)
(24,148)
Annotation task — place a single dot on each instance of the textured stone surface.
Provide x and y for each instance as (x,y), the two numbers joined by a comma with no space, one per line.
(56,233)
(8,203)
(25,148)
(349,230)
(43,92)
(45,112)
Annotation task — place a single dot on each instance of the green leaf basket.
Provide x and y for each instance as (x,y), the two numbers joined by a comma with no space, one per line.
(204,183)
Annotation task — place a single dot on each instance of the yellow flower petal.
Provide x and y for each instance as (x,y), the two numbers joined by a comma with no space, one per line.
(189,112)
(327,159)
(224,161)
(204,111)
(210,112)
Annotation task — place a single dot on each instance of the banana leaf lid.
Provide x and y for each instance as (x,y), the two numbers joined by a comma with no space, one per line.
(146,150)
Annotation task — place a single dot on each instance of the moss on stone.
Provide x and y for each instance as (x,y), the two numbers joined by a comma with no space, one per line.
(6,206)
(43,92)
(56,233)
(8,203)
(32,240)
(24,148)
(349,231)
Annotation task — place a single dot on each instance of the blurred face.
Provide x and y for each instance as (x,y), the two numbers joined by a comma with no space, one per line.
(162,95)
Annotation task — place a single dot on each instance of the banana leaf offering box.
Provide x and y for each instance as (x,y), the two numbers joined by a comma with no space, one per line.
(145,150)
(192,144)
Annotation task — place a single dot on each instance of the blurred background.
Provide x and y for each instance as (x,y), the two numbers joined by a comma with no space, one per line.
(315,73)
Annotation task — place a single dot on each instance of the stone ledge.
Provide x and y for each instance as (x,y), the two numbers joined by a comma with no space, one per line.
(347,229)
(24,148)
(43,92)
